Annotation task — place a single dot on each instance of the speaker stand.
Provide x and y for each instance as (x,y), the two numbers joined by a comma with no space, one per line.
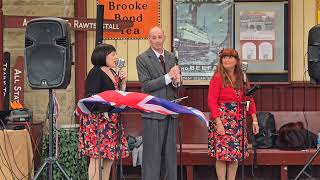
(308,164)
(51,160)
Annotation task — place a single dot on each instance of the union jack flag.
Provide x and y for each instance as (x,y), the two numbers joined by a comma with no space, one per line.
(118,100)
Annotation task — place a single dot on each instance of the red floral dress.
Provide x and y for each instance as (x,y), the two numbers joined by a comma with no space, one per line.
(225,102)
(109,130)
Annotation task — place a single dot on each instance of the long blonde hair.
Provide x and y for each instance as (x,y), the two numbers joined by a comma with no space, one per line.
(237,71)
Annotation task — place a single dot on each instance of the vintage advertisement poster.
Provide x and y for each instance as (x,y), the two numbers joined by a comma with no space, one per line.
(143,14)
(257,35)
(203,28)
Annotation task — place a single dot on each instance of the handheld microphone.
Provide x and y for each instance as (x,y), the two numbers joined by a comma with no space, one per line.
(252,90)
(244,68)
(176,44)
(120,63)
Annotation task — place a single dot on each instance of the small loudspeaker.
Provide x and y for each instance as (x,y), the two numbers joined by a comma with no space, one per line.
(314,54)
(48,53)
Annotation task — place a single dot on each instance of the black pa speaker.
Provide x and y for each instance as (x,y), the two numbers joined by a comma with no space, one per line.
(48,53)
(314,54)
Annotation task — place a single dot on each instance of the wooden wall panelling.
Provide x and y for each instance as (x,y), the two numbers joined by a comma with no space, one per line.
(122,48)
(205,94)
(257,99)
(133,52)
(288,98)
(196,97)
(317,99)
(276,98)
(266,98)
(310,99)
(191,134)
(298,98)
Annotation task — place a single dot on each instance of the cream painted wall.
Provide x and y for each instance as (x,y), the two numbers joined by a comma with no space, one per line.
(303,17)
(130,49)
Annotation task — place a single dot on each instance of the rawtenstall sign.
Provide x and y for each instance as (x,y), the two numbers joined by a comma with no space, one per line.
(143,14)
(109,25)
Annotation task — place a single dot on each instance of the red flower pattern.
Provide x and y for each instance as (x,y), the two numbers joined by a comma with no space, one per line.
(227,147)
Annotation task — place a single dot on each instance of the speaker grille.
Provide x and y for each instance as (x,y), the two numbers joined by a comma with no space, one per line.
(62,41)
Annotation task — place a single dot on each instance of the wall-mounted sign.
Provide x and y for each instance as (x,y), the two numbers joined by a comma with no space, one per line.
(17,81)
(143,14)
(6,80)
(109,25)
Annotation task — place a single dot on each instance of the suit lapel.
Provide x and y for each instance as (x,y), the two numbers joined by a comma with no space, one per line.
(168,61)
(155,61)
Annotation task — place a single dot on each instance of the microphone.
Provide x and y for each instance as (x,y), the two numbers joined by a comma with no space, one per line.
(252,90)
(176,44)
(120,63)
(244,68)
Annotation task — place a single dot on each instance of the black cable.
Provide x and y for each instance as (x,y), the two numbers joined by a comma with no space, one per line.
(304,105)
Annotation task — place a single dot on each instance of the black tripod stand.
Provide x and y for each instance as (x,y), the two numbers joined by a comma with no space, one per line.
(51,160)
(308,164)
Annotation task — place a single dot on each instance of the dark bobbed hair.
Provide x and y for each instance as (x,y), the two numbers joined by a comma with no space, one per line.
(98,57)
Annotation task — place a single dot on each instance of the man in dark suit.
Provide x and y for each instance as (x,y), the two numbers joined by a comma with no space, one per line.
(157,72)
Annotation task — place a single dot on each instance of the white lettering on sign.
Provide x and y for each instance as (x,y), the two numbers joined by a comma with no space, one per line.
(16,88)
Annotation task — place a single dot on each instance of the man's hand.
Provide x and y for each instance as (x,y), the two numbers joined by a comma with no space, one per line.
(174,72)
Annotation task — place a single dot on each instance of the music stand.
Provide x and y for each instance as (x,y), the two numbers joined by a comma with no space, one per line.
(51,160)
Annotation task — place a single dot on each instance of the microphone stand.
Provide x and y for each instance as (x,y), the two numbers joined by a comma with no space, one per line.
(120,132)
(244,105)
(178,88)
(243,118)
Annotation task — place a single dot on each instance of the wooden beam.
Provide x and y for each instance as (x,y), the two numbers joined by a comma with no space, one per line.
(80,52)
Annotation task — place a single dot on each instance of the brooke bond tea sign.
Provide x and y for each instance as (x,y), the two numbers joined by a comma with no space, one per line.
(143,13)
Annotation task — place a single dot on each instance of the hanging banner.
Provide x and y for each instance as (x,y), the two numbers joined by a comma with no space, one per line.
(143,14)
(17,82)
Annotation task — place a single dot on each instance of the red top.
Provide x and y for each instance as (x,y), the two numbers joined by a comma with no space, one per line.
(218,94)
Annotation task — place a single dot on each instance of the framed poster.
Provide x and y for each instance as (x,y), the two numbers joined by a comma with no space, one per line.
(202,28)
(259,36)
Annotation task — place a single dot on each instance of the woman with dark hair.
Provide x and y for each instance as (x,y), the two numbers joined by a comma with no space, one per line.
(102,77)
(224,99)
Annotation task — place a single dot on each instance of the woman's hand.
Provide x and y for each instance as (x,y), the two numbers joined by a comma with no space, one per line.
(220,128)
(255,124)
(255,127)
(123,76)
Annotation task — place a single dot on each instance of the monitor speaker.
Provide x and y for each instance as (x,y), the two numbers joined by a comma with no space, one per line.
(48,53)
